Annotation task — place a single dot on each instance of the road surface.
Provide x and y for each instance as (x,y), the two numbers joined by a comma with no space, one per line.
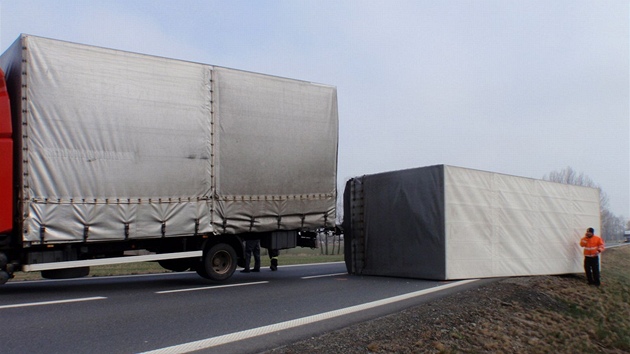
(181,312)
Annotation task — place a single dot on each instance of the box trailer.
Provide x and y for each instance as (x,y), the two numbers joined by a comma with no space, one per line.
(106,152)
(443,222)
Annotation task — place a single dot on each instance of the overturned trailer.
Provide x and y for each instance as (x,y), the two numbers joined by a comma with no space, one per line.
(443,222)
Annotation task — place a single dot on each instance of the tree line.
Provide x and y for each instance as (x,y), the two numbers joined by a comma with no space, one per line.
(613,226)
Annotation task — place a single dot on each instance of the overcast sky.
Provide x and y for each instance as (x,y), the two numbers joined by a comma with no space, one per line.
(517,87)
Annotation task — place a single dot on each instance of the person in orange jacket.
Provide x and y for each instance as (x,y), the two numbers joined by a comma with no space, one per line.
(593,246)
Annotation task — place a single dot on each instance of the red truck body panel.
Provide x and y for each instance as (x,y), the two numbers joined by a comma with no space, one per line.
(6,160)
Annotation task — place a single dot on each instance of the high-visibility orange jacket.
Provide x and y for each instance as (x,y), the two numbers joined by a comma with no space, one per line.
(593,245)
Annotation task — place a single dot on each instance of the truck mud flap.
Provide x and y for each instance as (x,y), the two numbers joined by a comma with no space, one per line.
(307,239)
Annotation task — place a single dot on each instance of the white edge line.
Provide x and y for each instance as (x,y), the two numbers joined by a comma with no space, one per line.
(308,264)
(209,287)
(324,275)
(254,332)
(52,302)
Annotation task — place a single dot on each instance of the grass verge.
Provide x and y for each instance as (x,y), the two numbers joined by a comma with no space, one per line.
(547,314)
(537,314)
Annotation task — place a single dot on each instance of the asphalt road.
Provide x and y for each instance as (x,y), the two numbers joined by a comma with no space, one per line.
(181,312)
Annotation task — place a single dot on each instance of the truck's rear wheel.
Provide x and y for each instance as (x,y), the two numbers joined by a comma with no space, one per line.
(201,270)
(219,262)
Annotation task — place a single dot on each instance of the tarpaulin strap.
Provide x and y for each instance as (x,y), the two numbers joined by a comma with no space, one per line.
(126,231)
(86,231)
(196,227)
(251,223)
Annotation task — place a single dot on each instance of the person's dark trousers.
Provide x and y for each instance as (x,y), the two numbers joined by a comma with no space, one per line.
(591,268)
(252,247)
(273,256)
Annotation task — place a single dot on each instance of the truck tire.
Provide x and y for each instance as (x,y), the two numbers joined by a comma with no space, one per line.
(4,260)
(201,270)
(219,262)
(68,273)
(176,265)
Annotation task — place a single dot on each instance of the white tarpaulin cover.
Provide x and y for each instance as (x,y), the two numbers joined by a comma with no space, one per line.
(444,222)
(121,145)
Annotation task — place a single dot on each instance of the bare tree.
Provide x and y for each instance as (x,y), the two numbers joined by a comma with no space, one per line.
(612,225)
(569,176)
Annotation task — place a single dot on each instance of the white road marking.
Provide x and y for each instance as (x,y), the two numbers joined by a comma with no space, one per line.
(254,332)
(307,264)
(324,275)
(209,287)
(52,302)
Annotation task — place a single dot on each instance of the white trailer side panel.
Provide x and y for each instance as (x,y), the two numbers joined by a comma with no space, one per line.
(113,139)
(501,225)
(121,145)
(276,152)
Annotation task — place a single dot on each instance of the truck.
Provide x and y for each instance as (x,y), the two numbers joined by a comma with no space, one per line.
(109,157)
(446,222)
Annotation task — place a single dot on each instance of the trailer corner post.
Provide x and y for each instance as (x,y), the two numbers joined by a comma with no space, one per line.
(6,160)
